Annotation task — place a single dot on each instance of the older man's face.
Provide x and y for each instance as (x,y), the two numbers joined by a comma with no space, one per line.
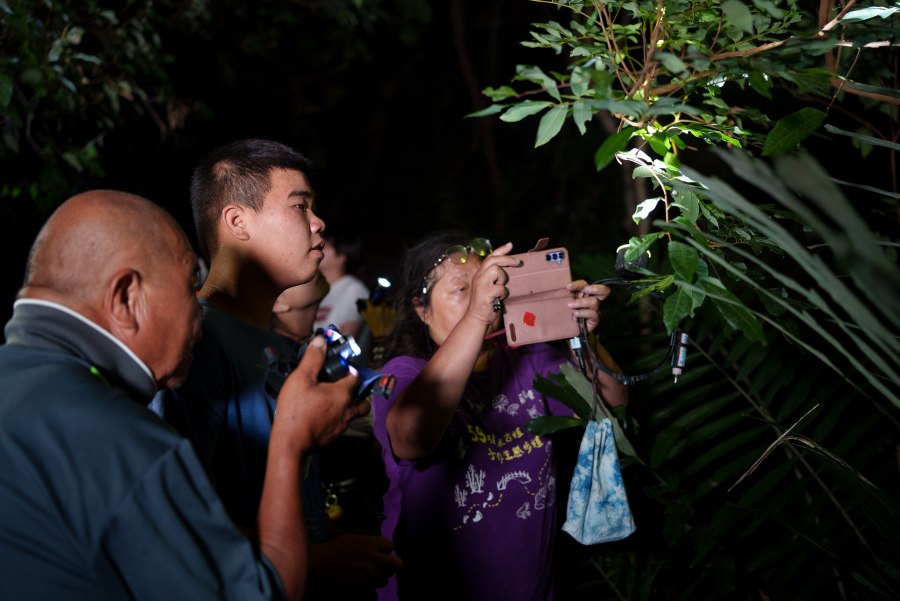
(173,325)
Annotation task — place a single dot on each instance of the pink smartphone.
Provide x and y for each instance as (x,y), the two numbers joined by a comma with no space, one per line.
(536,309)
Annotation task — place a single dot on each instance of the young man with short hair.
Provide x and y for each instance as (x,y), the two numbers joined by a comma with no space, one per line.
(253,208)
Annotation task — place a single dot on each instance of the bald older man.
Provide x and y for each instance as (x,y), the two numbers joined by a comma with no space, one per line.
(99,498)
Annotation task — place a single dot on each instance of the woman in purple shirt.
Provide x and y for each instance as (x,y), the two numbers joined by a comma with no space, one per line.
(471,501)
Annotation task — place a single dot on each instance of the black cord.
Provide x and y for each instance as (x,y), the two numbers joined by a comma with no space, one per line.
(579,345)
(667,364)
(675,359)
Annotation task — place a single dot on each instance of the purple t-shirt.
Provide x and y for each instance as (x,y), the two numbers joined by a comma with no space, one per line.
(476,519)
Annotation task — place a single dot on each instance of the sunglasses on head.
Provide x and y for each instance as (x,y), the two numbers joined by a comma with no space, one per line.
(459,254)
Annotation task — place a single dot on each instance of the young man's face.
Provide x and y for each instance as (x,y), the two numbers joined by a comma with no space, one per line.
(287,234)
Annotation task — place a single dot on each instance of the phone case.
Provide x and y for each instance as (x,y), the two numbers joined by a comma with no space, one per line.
(536,309)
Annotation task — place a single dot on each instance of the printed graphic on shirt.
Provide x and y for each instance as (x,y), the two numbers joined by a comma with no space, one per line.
(516,461)
(322,313)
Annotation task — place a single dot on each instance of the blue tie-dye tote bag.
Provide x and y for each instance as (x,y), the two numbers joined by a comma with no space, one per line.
(598,510)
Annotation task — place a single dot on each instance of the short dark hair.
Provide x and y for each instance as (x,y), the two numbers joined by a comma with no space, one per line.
(409,335)
(238,173)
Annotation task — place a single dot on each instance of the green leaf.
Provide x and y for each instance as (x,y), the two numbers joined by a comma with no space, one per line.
(676,308)
(856,136)
(631,108)
(580,81)
(760,83)
(671,62)
(55,51)
(491,110)
(769,7)
(689,203)
(583,387)
(67,83)
(659,285)
(87,58)
(672,160)
(738,14)
(549,424)
(892,92)
(663,444)
(792,130)
(684,260)
(641,245)
(581,114)
(870,12)
(518,112)
(659,143)
(536,75)
(873,189)
(611,145)
(643,210)
(74,35)
(732,310)
(73,161)
(558,387)
(550,124)
(501,93)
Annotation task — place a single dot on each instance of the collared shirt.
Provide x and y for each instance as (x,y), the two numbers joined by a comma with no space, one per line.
(99,498)
(44,324)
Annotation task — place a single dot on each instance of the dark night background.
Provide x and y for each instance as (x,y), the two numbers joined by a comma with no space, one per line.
(379,106)
(376,98)
(380,109)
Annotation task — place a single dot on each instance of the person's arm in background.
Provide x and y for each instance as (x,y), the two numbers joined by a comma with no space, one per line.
(611,390)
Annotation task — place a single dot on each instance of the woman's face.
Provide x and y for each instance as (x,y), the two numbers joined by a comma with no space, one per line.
(449,297)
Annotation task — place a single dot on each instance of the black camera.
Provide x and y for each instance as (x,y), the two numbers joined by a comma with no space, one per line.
(340,352)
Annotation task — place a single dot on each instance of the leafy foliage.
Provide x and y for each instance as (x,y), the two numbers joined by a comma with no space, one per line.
(710,525)
(662,70)
(75,75)
(68,76)
(774,454)
(666,68)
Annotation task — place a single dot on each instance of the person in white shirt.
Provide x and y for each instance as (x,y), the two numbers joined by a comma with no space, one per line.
(343,258)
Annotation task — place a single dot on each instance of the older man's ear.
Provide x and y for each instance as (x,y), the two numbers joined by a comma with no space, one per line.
(123,303)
